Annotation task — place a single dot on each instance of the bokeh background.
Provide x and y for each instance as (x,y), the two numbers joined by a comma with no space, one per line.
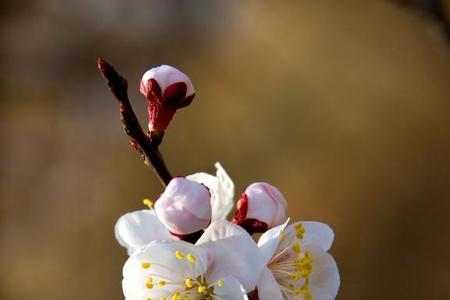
(343,105)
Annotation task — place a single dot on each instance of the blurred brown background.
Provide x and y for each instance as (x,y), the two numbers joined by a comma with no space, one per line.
(343,105)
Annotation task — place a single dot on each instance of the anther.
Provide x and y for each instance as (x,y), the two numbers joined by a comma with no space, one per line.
(188,283)
(220,282)
(191,258)
(148,202)
(161,283)
(201,289)
(296,247)
(145,265)
(179,255)
(149,283)
(299,231)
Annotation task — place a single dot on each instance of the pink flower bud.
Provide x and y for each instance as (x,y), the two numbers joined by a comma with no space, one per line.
(184,207)
(261,207)
(167,89)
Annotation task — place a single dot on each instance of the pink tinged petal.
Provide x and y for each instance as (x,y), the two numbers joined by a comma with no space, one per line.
(316,234)
(266,204)
(269,241)
(231,289)
(268,288)
(240,218)
(189,194)
(139,228)
(221,188)
(324,280)
(184,207)
(233,252)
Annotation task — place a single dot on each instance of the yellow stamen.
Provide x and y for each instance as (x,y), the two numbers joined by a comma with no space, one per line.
(149,283)
(201,289)
(220,282)
(188,283)
(296,276)
(148,202)
(145,265)
(161,283)
(296,247)
(299,231)
(179,255)
(307,295)
(191,258)
(293,273)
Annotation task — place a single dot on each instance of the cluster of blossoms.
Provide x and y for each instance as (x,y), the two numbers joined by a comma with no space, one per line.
(225,262)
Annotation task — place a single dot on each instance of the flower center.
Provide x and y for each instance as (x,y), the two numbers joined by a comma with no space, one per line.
(190,289)
(292,267)
(197,289)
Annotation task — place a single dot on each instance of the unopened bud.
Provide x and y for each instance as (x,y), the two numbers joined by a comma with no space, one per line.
(167,89)
(261,207)
(184,207)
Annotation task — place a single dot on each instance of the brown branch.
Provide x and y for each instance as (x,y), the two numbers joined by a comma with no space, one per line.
(149,152)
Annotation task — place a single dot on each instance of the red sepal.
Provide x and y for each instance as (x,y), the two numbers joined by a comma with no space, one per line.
(240,218)
(241,212)
(163,104)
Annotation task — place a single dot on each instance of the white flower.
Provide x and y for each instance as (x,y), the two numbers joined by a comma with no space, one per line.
(175,271)
(136,229)
(298,265)
(184,207)
(261,207)
(221,188)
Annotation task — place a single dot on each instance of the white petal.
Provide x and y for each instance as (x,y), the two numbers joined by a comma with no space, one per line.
(324,280)
(164,265)
(230,290)
(208,180)
(163,253)
(136,229)
(225,191)
(232,251)
(316,234)
(266,204)
(166,75)
(269,241)
(268,288)
(221,188)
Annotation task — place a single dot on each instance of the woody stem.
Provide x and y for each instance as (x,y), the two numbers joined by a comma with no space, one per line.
(130,124)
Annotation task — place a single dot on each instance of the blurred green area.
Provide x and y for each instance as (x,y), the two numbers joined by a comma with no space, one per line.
(343,105)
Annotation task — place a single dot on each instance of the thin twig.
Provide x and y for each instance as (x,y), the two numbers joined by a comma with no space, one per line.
(139,140)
